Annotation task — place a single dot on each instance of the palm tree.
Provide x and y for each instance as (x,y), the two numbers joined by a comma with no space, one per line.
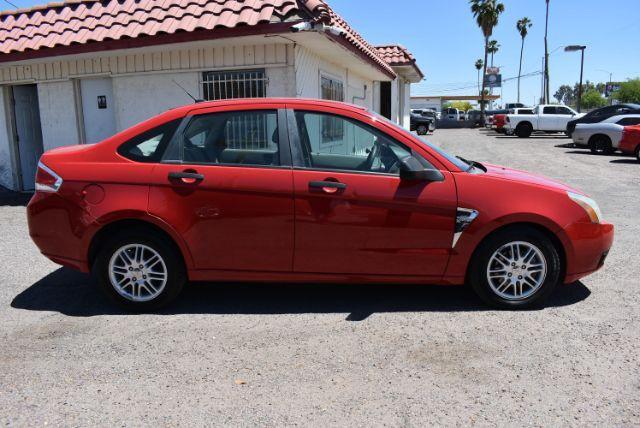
(486,13)
(523,26)
(479,64)
(493,48)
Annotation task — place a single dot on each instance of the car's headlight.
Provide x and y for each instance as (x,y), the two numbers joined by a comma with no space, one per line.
(588,204)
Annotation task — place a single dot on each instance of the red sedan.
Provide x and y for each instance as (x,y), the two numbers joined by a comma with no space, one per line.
(304,190)
(630,142)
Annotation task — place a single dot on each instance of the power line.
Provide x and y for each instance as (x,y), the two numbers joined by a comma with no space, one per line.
(12,4)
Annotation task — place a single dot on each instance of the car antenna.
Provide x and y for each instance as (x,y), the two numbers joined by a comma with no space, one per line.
(195,100)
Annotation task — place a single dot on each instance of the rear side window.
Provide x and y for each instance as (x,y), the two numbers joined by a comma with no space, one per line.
(629,121)
(150,145)
(230,138)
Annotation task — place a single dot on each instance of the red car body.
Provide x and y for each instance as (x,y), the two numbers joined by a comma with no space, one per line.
(251,223)
(499,122)
(630,141)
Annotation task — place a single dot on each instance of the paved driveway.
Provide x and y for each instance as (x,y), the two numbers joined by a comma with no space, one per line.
(333,355)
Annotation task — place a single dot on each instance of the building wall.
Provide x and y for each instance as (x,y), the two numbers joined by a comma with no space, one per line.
(310,66)
(57,114)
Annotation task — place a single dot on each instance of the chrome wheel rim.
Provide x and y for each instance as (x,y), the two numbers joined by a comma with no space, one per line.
(516,270)
(137,272)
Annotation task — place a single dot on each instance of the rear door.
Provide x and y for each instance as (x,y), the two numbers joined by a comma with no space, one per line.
(226,185)
(353,213)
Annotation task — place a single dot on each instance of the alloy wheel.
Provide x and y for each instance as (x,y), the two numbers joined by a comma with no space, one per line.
(137,272)
(516,270)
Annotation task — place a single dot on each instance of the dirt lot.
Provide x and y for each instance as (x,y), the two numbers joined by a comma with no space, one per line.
(333,355)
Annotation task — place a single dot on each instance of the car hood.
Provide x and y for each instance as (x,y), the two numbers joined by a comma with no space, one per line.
(527,178)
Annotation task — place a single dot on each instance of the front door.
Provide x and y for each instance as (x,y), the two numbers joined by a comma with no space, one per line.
(28,132)
(230,191)
(97,109)
(353,213)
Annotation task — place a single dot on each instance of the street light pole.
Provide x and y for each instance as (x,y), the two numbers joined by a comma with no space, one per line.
(573,48)
(608,85)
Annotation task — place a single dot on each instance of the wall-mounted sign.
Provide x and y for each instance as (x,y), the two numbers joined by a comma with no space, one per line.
(493,80)
(102,101)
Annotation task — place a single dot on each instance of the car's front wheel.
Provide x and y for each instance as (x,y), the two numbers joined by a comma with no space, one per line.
(140,272)
(638,153)
(517,268)
(422,129)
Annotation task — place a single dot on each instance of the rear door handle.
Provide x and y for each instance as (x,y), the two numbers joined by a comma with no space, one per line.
(329,187)
(186,177)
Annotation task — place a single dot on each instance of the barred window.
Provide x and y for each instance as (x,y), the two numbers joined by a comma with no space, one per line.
(222,85)
(332,129)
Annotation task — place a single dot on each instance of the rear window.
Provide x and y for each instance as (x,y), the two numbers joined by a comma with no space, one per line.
(150,145)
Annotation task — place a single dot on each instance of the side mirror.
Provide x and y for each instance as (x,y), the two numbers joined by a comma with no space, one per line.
(412,170)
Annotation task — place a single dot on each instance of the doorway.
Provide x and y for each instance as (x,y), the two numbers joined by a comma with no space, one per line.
(27,133)
(97,109)
(385,99)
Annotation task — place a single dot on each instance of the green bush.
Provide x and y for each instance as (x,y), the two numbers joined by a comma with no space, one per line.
(629,91)
(592,99)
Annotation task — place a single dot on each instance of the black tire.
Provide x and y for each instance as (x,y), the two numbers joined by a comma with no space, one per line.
(478,270)
(524,130)
(638,153)
(172,259)
(422,129)
(600,145)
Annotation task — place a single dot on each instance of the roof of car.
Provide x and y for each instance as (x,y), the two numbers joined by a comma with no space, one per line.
(272,100)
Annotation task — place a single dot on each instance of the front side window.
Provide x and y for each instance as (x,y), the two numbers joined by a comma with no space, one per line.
(222,85)
(150,145)
(239,137)
(564,110)
(360,148)
(549,110)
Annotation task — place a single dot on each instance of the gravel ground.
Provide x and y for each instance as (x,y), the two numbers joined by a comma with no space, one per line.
(333,355)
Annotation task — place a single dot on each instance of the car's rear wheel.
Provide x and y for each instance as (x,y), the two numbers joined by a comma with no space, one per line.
(524,130)
(638,153)
(422,129)
(600,145)
(517,268)
(140,272)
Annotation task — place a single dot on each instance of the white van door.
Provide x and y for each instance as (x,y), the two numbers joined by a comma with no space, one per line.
(97,109)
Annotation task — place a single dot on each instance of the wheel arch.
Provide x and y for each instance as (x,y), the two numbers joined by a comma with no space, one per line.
(558,239)
(137,221)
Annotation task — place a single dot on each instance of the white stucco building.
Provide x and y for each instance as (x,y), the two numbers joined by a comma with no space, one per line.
(78,72)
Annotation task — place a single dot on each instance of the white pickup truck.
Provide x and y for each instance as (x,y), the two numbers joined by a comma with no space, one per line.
(545,117)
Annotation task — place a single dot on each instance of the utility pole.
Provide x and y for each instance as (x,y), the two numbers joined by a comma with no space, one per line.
(546,57)
(574,48)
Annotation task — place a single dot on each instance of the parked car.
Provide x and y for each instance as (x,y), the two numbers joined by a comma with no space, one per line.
(510,106)
(304,190)
(451,114)
(501,119)
(603,137)
(598,115)
(475,117)
(630,142)
(545,117)
(422,122)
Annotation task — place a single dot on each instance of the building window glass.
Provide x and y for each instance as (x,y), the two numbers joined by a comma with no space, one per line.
(222,85)
(332,129)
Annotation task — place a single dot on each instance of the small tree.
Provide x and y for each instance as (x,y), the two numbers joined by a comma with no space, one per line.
(592,99)
(479,64)
(564,94)
(629,91)
(522,26)
(493,49)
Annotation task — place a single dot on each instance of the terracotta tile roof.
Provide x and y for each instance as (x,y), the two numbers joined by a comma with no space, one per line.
(81,22)
(397,56)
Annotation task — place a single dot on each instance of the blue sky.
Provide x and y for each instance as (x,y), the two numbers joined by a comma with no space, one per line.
(444,38)
(446,41)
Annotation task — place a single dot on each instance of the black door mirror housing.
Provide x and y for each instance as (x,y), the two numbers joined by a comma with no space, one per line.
(412,170)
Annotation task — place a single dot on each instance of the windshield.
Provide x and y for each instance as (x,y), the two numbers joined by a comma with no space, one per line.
(462,165)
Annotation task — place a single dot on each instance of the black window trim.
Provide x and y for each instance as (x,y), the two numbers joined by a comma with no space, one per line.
(284,151)
(171,128)
(296,149)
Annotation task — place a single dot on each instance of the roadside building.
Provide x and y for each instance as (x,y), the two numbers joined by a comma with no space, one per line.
(80,71)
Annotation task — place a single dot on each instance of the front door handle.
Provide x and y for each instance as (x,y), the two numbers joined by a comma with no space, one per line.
(187,177)
(329,187)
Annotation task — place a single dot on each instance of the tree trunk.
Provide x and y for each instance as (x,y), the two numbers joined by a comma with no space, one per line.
(520,68)
(478,81)
(484,72)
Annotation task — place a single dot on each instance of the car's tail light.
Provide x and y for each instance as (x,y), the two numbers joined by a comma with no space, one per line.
(506,119)
(46,179)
